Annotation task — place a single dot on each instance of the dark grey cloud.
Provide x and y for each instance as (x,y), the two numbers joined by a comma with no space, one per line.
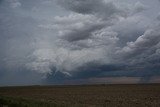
(54,41)
(82,6)
(100,8)
(87,6)
(143,43)
(81,33)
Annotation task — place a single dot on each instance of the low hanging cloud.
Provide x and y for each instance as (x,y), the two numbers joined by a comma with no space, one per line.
(79,39)
(90,7)
(148,41)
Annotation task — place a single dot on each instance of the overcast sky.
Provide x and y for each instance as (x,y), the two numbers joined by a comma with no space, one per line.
(79,41)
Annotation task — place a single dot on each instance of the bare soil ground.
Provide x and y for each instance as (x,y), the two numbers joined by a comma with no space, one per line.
(142,95)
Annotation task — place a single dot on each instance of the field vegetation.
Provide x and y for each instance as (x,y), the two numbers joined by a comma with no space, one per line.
(81,96)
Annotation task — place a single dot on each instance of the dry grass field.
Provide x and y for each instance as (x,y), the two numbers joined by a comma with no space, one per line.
(142,95)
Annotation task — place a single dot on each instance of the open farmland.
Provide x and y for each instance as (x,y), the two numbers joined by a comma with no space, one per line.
(81,96)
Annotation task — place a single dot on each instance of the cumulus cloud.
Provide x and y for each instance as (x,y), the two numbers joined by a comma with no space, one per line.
(139,7)
(144,42)
(79,39)
(99,8)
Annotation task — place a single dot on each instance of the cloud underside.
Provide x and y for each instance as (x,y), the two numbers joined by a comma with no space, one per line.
(92,39)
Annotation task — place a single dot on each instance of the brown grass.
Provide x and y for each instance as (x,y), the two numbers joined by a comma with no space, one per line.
(89,95)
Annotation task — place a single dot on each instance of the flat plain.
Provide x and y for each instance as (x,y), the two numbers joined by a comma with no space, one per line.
(128,95)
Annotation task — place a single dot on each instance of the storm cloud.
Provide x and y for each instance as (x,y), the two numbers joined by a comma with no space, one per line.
(56,41)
